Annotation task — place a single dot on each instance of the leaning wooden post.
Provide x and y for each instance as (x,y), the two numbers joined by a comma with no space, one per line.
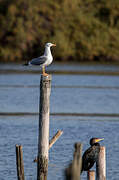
(101,165)
(19,163)
(43,141)
(55,138)
(74,170)
(91,175)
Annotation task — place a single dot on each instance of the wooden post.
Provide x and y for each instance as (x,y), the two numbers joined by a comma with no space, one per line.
(101,165)
(74,170)
(19,163)
(91,175)
(43,144)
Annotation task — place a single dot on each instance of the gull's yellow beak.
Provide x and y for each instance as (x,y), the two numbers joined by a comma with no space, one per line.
(53,44)
(97,140)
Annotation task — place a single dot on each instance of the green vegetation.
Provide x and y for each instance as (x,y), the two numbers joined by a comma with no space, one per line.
(82,29)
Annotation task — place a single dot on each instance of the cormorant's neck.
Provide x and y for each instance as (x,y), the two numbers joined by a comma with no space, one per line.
(95,144)
(47,51)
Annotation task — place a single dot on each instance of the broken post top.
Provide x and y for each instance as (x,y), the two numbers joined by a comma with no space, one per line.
(46,78)
(78,147)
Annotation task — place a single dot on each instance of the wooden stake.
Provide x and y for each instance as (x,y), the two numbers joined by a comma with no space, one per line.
(91,175)
(43,144)
(74,170)
(101,165)
(19,163)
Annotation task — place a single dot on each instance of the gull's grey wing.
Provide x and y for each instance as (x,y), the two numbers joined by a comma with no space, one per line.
(38,61)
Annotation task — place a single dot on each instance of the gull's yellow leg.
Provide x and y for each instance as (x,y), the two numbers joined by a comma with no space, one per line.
(43,68)
(44,74)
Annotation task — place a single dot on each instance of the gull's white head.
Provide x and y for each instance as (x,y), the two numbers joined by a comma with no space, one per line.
(49,44)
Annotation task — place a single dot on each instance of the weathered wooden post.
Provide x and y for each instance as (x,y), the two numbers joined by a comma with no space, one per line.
(19,163)
(74,170)
(91,175)
(101,165)
(43,141)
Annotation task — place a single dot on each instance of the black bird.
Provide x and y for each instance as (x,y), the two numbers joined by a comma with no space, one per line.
(90,156)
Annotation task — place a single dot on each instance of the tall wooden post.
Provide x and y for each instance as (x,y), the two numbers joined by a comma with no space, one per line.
(91,175)
(101,165)
(43,141)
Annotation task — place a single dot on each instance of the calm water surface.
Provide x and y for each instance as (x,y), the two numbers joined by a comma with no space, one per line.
(93,100)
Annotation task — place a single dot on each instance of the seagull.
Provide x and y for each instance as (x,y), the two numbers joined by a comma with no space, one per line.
(44,60)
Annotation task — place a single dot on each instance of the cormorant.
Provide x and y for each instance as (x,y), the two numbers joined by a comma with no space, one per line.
(90,156)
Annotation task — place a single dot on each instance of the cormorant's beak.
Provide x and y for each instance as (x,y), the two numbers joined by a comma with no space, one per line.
(97,140)
(53,44)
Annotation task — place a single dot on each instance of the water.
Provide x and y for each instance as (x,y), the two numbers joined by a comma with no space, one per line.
(93,101)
